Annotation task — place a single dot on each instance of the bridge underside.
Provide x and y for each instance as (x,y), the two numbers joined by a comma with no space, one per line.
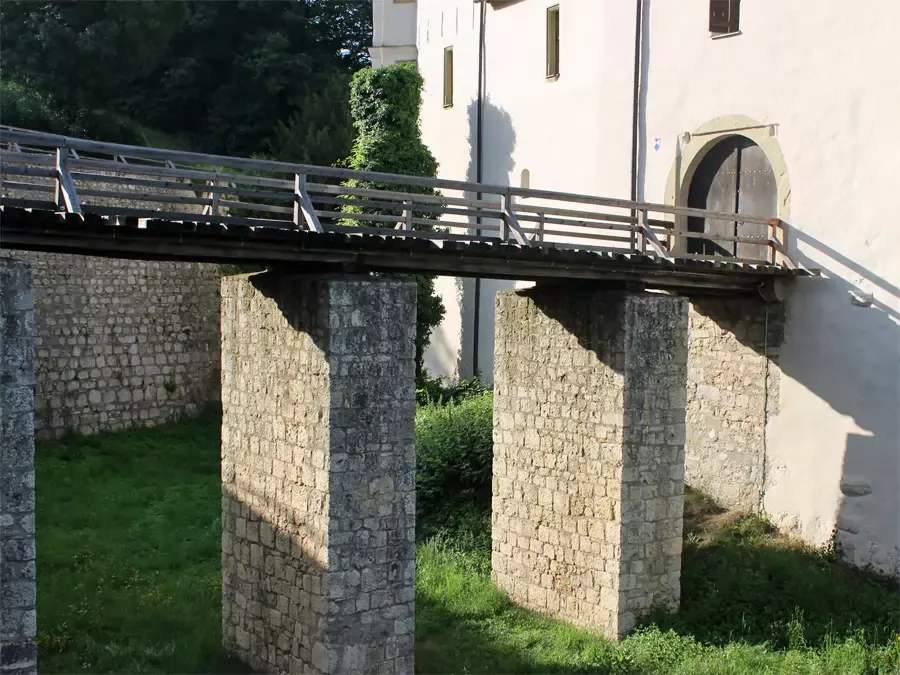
(318,468)
(46,230)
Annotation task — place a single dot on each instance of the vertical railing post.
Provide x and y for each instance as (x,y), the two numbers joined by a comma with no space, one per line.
(58,198)
(304,211)
(299,188)
(506,207)
(212,209)
(774,226)
(641,231)
(64,193)
(510,224)
(632,243)
(407,215)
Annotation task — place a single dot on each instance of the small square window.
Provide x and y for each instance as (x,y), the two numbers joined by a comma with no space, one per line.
(724,16)
(553,41)
(448,77)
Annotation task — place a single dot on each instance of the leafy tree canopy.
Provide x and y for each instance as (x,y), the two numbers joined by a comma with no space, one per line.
(243,77)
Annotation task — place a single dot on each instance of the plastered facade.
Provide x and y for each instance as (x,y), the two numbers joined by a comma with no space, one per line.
(824,117)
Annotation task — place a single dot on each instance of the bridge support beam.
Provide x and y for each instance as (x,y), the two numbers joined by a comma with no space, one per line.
(18,620)
(318,473)
(589,432)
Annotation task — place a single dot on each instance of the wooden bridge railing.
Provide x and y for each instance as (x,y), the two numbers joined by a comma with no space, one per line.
(119,181)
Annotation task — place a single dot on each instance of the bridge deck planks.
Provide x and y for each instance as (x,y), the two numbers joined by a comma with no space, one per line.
(156,239)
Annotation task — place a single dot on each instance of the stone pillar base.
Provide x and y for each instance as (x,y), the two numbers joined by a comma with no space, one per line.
(589,432)
(318,473)
(18,619)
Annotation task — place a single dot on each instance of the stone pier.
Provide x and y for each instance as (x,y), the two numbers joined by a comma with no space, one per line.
(18,621)
(589,433)
(318,473)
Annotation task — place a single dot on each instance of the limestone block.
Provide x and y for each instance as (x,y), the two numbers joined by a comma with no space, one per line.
(318,456)
(584,515)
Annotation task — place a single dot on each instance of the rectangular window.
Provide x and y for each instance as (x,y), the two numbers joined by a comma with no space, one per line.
(724,16)
(448,77)
(553,41)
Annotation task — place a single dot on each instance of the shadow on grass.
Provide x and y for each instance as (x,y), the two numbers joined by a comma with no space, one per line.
(507,639)
(446,642)
(752,601)
(747,583)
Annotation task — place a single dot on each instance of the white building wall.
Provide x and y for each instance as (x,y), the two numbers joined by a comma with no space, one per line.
(827,79)
(824,78)
(393,31)
(571,133)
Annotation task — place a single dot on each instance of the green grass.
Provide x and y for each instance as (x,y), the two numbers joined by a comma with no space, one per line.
(128,581)
(128,540)
(752,602)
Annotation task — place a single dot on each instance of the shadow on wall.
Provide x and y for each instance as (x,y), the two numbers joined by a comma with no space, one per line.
(498,143)
(642,101)
(269,575)
(303,444)
(856,370)
(274,531)
(853,365)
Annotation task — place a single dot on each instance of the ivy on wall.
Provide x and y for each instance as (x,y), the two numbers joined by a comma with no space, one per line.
(385,104)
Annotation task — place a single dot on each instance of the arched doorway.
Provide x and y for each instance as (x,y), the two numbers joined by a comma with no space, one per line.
(733,177)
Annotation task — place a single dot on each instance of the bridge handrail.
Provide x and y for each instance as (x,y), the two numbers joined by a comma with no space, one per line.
(525,223)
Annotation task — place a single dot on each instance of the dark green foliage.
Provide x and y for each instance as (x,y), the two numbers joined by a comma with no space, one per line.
(230,270)
(429,314)
(743,581)
(385,103)
(22,106)
(240,77)
(454,452)
(440,390)
(317,129)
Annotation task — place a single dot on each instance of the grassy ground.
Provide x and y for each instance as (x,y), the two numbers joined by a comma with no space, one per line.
(128,581)
(752,602)
(128,540)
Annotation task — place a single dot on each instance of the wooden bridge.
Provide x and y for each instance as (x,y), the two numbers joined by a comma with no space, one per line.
(318,378)
(73,195)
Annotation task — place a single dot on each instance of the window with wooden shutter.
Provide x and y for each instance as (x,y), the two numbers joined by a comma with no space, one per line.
(724,16)
(448,77)
(553,41)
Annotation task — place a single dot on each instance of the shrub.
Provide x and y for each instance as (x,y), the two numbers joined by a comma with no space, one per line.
(439,390)
(454,449)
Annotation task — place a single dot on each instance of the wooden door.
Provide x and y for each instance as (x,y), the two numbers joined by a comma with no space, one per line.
(733,177)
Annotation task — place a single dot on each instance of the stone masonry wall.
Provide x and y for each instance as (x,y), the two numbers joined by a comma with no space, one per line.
(729,387)
(318,471)
(588,452)
(18,621)
(122,343)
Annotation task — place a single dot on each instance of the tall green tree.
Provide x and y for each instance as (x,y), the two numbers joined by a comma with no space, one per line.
(241,77)
(385,103)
